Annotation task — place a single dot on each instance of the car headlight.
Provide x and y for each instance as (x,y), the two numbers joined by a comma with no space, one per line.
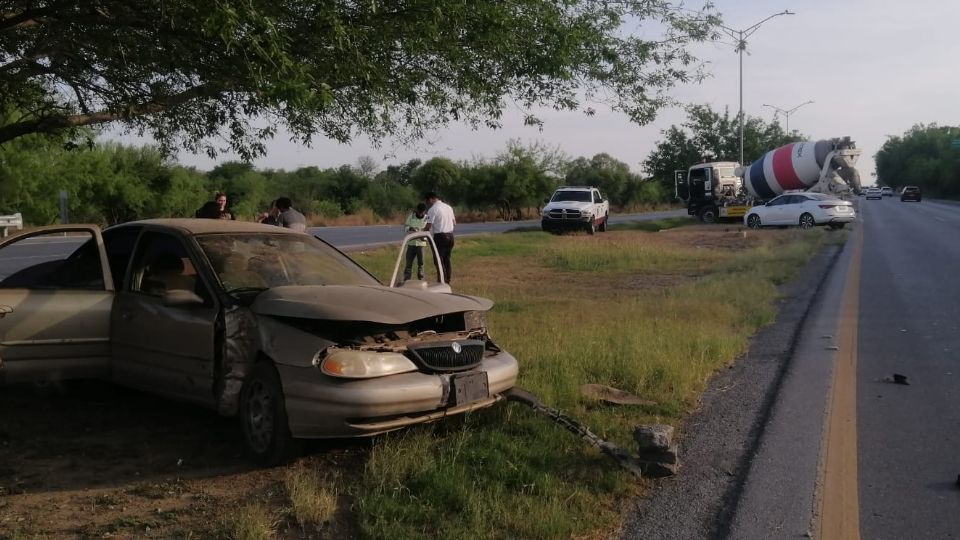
(352,364)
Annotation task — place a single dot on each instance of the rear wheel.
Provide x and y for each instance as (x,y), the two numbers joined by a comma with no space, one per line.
(807,221)
(753,221)
(708,214)
(263,417)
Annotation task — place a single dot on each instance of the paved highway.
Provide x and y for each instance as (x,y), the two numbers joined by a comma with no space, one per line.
(34,251)
(848,453)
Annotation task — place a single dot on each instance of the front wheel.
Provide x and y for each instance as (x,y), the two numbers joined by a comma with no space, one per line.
(753,221)
(807,221)
(591,226)
(603,224)
(263,417)
(709,214)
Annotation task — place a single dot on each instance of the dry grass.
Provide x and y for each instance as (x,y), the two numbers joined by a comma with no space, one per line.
(251,522)
(655,314)
(313,501)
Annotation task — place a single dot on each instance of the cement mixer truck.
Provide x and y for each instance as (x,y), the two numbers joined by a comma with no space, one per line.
(725,189)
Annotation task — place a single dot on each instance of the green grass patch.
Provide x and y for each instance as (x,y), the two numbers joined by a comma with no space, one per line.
(652,314)
(653,226)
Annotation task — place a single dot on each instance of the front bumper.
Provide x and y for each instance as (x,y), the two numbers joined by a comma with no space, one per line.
(319,406)
(844,218)
(554,224)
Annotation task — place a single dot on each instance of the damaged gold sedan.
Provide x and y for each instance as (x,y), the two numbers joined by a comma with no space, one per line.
(255,321)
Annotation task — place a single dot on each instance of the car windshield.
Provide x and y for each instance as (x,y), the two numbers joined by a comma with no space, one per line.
(259,261)
(579,196)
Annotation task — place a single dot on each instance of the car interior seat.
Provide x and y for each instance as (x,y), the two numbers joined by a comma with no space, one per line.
(165,273)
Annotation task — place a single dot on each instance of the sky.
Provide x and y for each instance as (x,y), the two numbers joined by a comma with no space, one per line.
(873,68)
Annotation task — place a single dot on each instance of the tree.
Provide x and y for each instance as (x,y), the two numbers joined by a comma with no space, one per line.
(709,135)
(441,176)
(604,172)
(925,157)
(190,71)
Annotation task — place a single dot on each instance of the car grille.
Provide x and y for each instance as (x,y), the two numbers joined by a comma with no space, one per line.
(565,214)
(444,356)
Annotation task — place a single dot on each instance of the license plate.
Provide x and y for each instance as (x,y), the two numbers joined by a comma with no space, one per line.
(469,387)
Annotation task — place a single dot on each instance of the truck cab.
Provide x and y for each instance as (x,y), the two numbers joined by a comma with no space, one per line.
(711,190)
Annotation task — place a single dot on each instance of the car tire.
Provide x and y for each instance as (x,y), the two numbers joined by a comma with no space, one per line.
(708,214)
(603,225)
(591,226)
(753,221)
(807,221)
(263,418)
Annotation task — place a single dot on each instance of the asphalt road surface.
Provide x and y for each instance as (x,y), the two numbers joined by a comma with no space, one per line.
(833,447)
(848,452)
(35,251)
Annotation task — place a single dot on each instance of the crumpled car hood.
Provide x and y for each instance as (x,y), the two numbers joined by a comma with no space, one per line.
(362,303)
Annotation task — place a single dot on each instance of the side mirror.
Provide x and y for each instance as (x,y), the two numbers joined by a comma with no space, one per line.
(181,298)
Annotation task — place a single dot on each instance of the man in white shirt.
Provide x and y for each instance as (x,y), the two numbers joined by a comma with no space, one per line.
(440,221)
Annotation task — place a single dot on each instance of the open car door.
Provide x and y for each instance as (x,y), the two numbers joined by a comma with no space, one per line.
(56,294)
(408,248)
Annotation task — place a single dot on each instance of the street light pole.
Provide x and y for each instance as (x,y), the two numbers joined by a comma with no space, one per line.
(786,113)
(741,36)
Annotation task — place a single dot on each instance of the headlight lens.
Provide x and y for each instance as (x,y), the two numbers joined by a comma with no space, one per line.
(350,364)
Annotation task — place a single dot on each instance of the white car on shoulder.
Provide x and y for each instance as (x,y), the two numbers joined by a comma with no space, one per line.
(806,210)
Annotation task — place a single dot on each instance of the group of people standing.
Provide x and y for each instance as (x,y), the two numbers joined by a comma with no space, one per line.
(432,215)
(281,212)
(436,217)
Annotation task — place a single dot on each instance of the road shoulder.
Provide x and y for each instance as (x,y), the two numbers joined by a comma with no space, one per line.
(721,438)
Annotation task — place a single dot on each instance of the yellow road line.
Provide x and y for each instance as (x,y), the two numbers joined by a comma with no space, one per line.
(840,502)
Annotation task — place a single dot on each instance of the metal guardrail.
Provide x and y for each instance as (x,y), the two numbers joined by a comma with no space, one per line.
(8,222)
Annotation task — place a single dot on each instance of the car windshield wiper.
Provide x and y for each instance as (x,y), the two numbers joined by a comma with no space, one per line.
(241,290)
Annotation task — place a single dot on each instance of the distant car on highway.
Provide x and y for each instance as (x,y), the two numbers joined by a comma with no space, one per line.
(886,191)
(910,193)
(874,193)
(806,210)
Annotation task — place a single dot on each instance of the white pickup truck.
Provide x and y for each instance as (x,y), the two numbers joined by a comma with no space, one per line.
(575,207)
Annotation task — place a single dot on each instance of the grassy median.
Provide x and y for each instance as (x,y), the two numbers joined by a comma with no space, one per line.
(652,313)
(651,308)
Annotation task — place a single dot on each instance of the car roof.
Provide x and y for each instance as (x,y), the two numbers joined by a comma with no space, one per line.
(209,226)
(823,196)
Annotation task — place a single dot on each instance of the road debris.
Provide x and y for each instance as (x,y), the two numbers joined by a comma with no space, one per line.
(832,348)
(657,451)
(897,379)
(608,394)
(621,456)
